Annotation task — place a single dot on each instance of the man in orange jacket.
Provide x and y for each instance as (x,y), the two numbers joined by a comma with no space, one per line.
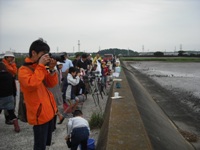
(34,79)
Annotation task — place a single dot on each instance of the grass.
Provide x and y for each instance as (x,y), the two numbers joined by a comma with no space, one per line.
(96,120)
(167,59)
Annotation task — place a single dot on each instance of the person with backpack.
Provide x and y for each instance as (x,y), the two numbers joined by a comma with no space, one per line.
(40,103)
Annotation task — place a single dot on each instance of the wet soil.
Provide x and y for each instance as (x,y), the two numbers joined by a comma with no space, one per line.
(184,117)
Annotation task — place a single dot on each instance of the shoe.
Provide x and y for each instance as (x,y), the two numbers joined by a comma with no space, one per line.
(61,121)
(9,122)
(16,125)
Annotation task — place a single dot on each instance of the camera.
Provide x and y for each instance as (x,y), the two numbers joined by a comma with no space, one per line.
(58,57)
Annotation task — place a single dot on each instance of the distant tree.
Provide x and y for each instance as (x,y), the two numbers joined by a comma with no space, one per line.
(116,51)
(80,53)
(181,53)
(158,54)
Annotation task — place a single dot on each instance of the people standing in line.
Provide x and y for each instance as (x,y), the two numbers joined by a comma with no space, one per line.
(104,72)
(78,56)
(40,104)
(78,130)
(83,63)
(59,68)
(6,95)
(89,60)
(9,61)
(65,69)
(96,58)
(114,62)
(68,63)
(56,91)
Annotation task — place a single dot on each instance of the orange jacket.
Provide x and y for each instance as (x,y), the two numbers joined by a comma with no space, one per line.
(12,68)
(40,102)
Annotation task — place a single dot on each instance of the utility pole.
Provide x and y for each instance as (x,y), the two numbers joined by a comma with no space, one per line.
(143,48)
(180,47)
(79,45)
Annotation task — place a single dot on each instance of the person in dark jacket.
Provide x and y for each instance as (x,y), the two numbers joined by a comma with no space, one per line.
(83,63)
(75,61)
(6,95)
(9,62)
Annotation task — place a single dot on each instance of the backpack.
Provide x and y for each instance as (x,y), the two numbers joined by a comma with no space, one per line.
(22,109)
(22,106)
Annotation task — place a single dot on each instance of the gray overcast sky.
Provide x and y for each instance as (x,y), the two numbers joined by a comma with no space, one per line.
(159,25)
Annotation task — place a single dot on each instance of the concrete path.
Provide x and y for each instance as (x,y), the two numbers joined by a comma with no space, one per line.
(9,140)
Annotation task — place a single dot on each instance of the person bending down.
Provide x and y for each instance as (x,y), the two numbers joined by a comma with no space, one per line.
(78,130)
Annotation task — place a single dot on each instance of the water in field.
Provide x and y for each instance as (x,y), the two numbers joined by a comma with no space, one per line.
(177,76)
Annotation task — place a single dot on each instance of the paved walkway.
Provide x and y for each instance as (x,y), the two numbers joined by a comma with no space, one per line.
(9,140)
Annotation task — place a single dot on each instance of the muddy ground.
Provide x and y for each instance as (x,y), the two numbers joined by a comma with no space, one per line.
(178,98)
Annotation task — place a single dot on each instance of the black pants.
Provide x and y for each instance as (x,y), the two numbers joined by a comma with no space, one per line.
(43,135)
(79,136)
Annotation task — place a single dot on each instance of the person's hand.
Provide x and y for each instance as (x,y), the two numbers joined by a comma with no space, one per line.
(44,59)
(67,137)
(12,61)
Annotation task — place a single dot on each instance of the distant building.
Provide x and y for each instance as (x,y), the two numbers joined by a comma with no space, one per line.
(171,53)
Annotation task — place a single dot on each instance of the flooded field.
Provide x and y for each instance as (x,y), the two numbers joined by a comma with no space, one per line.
(179,78)
(175,87)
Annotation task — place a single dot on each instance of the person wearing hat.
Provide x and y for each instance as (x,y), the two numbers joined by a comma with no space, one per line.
(9,61)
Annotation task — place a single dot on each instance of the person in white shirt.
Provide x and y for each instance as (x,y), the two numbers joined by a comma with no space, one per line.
(65,69)
(78,130)
(68,63)
(73,78)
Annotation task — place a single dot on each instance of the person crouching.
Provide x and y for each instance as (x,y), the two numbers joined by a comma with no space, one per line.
(78,130)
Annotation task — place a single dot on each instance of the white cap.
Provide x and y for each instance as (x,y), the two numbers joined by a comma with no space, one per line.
(9,53)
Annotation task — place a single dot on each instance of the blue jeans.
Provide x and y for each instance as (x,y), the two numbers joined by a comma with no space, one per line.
(43,135)
(79,136)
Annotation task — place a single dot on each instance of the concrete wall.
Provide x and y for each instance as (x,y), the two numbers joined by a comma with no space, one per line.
(123,128)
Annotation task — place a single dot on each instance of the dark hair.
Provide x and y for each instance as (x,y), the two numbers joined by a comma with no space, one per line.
(78,70)
(84,55)
(78,55)
(39,46)
(77,113)
(65,54)
(72,69)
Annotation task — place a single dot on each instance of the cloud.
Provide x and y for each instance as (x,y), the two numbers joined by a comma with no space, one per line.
(157,24)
